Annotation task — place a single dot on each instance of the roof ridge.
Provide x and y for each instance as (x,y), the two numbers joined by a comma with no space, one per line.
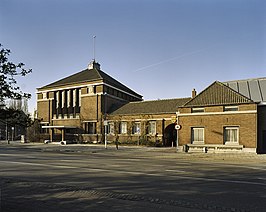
(222,85)
(97,71)
(63,78)
(200,93)
(156,100)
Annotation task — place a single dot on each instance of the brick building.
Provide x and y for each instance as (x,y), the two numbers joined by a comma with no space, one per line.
(74,107)
(146,122)
(225,116)
(90,106)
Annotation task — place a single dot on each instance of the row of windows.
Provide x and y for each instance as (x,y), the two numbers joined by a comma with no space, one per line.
(135,128)
(67,98)
(225,109)
(123,128)
(230,135)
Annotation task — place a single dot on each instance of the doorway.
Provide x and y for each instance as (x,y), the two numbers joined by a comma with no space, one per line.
(170,136)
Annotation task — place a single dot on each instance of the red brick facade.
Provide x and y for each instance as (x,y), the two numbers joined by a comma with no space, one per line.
(214,120)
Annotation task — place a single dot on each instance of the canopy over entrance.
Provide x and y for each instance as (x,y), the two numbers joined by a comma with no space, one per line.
(62,128)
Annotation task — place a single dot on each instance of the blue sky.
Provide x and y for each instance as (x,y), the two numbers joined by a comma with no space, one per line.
(159,48)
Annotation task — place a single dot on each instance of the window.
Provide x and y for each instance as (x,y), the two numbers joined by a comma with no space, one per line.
(90,127)
(152,127)
(197,110)
(44,95)
(111,128)
(231,135)
(136,128)
(123,127)
(230,108)
(79,97)
(91,89)
(197,135)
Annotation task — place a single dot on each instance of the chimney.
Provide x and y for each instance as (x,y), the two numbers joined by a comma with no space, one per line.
(194,93)
(94,65)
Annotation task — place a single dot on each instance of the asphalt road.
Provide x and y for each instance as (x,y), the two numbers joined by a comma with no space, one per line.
(91,178)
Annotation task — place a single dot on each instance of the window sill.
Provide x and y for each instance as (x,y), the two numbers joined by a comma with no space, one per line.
(231,143)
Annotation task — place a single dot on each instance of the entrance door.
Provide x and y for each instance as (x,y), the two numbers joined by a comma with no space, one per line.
(170,135)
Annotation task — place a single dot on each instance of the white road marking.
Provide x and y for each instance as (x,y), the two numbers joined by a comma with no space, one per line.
(177,171)
(39,164)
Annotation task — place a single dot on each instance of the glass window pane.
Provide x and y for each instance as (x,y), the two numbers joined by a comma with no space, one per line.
(231,134)
(197,134)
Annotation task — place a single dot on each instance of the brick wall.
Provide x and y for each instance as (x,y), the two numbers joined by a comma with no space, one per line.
(215,122)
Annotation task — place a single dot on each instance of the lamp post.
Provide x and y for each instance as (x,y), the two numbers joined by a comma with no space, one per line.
(7,133)
(12,135)
(177,127)
(105,123)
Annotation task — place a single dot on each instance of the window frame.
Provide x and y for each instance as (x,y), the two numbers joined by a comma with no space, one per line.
(111,128)
(231,142)
(231,108)
(136,128)
(193,130)
(90,127)
(197,110)
(123,127)
(152,128)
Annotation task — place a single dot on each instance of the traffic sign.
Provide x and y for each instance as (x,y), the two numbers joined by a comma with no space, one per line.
(178,127)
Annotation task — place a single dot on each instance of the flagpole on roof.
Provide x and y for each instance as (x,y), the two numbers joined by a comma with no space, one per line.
(94,40)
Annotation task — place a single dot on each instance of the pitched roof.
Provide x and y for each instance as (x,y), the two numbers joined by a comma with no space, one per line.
(254,89)
(151,107)
(217,94)
(89,75)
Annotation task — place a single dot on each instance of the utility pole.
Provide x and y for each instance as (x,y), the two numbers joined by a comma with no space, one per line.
(105,123)
(177,127)
(7,133)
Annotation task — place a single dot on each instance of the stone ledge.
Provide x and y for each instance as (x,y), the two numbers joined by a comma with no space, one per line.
(212,148)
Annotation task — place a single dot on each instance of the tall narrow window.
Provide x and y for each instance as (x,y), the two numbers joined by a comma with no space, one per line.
(111,128)
(57,99)
(136,128)
(74,98)
(152,127)
(197,134)
(90,127)
(68,98)
(79,96)
(123,127)
(63,98)
(231,135)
